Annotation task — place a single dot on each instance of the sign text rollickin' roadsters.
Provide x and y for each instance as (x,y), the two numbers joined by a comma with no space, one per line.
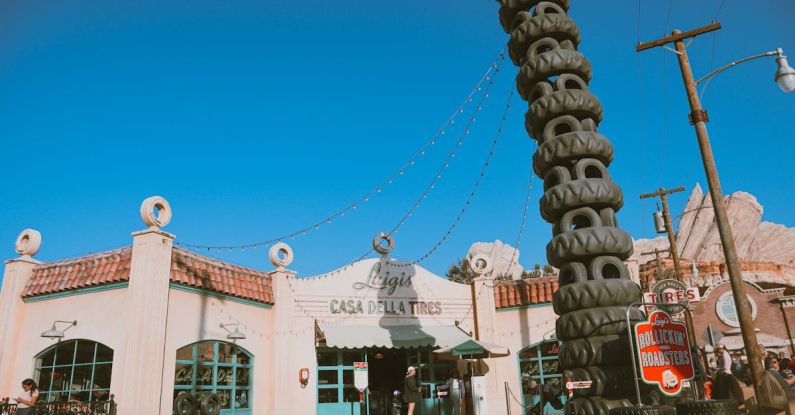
(663,351)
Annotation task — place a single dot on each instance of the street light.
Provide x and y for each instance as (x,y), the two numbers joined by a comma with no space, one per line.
(784,77)
(54,333)
(234,335)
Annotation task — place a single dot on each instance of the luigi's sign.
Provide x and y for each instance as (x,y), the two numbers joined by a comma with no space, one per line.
(663,351)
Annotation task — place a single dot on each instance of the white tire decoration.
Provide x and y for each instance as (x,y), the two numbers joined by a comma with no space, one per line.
(156,212)
(481,264)
(28,242)
(281,255)
(390,243)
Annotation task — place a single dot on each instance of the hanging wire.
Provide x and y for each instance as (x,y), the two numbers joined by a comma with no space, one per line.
(446,164)
(487,77)
(524,213)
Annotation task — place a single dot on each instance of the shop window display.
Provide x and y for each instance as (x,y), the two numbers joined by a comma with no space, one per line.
(215,367)
(539,365)
(74,370)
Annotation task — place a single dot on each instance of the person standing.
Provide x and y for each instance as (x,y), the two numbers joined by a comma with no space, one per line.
(27,397)
(720,388)
(456,390)
(411,390)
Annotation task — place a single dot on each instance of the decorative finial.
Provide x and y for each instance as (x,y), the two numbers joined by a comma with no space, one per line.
(281,255)
(156,212)
(28,243)
(480,264)
(381,249)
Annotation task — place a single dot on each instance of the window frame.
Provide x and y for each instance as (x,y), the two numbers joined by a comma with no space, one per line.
(214,387)
(50,393)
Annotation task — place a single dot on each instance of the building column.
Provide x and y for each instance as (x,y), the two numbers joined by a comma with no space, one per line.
(15,276)
(143,355)
(283,402)
(487,332)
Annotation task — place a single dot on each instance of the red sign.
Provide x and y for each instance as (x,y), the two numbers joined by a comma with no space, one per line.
(663,352)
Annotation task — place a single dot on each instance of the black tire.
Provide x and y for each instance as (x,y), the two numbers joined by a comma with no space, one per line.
(185,404)
(595,193)
(565,148)
(603,293)
(645,410)
(611,350)
(557,26)
(583,244)
(608,381)
(716,407)
(549,64)
(608,267)
(594,406)
(571,273)
(210,404)
(600,321)
(579,103)
(510,8)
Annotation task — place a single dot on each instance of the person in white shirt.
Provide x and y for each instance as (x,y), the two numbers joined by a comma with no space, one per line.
(26,401)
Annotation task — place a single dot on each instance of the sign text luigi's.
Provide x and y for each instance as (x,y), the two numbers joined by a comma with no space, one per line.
(663,352)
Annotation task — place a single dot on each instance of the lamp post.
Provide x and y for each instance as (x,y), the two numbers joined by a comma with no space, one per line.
(785,78)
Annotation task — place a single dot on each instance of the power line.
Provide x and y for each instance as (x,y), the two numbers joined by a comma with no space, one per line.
(487,77)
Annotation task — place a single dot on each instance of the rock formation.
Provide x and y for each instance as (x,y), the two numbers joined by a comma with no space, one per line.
(504,258)
(697,236)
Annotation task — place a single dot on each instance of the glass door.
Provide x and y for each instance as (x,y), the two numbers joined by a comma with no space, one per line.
(336,394)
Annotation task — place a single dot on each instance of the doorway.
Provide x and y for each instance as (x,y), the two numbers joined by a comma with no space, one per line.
(387,370)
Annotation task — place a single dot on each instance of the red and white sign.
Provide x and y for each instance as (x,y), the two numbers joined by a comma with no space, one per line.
(663,352)
(360,376)
(672,292)
(583,384)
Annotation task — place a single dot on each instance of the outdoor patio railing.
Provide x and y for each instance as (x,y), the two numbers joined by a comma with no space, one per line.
(77,408)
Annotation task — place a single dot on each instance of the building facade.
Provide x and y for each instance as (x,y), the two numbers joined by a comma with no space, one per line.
(152,322)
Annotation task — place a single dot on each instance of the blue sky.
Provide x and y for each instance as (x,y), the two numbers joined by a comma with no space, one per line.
(257,118)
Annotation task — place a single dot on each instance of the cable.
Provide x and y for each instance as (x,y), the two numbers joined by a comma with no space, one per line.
(490,72)
(524,213)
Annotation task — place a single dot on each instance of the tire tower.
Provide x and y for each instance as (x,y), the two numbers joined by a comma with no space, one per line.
(580,201)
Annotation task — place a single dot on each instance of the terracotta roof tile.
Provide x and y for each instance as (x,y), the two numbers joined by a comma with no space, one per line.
(186,268)
(72,274)
(205,273)
(528,291)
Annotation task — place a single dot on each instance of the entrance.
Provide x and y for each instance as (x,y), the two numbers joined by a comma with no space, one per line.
(387,369)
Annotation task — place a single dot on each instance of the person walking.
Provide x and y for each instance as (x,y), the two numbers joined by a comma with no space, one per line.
(411,391)
(26,401)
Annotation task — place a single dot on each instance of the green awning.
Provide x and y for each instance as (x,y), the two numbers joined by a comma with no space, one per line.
(403,336)
(472,348)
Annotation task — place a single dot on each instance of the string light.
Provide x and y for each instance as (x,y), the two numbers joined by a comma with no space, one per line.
(487,77)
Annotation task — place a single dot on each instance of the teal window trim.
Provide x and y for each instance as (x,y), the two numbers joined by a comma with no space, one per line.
(79,291)
(541,377)
(219,296)
(70,389)
(215,364)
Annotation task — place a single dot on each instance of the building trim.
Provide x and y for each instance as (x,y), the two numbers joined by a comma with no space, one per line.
(79,291)
(522,307)
(217,295)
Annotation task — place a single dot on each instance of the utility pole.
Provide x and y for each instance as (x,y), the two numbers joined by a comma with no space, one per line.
(656,254)
(663,194)
(698,118)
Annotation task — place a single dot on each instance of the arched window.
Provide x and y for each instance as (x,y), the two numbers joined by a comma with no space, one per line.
(215,367)
(539,365)
(74,370)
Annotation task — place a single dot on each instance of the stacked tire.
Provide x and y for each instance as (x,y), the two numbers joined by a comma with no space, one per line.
(580,200)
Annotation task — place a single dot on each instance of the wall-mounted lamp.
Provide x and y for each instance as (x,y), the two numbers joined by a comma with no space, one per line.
(234,335)
(54,333)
